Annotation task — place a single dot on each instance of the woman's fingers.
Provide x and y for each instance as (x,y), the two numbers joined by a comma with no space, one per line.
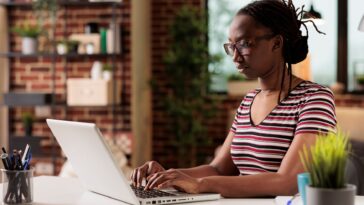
(158,178)
(166,184)
(145,171)
(139,174)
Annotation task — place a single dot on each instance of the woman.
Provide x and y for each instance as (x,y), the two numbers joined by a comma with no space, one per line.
(260,156)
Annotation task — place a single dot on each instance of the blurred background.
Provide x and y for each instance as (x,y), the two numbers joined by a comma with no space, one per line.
(151,74)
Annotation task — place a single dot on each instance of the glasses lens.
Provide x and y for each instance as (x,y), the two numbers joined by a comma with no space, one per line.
(229,49)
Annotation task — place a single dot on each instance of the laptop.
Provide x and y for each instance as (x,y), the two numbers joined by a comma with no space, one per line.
(88,154)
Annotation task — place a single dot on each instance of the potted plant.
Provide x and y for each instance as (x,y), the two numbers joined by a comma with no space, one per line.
(325,162)
(238,85)
(186,103)
(27,119)
(67,46)
(106,71)
(29,34)
(360,82)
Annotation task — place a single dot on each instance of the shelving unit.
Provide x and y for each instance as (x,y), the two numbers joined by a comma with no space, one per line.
(56,60)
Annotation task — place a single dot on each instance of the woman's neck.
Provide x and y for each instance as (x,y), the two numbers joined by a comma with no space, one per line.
(271,82)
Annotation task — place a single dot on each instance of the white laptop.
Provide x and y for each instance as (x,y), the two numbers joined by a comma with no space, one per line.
(86,150)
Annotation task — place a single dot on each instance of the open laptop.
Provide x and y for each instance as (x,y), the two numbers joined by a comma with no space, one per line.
(86,150)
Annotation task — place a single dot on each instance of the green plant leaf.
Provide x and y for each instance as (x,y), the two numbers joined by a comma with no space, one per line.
(326,160)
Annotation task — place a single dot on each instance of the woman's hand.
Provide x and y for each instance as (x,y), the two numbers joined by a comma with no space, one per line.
(144,171)
(174,178)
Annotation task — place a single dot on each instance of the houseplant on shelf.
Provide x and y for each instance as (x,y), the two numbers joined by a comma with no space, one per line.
(107,71)
(45,12)
(360,82)
(29,34)
(27,119)
(67,46)
(326,162)
(238,85)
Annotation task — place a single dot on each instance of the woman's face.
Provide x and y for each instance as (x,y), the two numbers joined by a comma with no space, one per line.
(252,46)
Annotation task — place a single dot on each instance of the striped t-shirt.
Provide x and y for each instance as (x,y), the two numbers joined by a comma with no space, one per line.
(309,108)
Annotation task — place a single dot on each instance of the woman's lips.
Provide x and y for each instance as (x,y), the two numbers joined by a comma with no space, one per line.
(241,68)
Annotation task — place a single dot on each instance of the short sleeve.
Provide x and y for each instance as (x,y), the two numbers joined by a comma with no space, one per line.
(317,113)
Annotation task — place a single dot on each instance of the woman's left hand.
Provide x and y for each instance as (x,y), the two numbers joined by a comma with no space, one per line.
(173,178)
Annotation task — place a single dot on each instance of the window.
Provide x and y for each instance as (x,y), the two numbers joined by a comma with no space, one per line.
(355,43)
(323,48)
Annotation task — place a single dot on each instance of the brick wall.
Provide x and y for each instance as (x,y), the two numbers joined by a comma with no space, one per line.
(35,74)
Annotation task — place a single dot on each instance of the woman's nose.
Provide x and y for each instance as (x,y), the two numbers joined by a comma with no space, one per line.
(236,56)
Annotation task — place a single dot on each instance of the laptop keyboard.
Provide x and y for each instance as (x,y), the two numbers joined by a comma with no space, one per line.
(141,193)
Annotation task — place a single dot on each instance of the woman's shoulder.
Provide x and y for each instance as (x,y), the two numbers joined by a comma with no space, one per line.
(309,87)
(310,90)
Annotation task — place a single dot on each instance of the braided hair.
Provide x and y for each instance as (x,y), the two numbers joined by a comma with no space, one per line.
(282,18)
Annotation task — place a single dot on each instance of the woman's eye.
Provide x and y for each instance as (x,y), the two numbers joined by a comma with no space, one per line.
(245,44)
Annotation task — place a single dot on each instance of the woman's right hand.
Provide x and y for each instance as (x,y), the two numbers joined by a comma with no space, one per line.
(144,171)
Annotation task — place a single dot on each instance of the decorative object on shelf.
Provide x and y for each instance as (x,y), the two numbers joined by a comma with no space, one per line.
(326,162)
(27,119)
(107,71)
(89,92)
(103,40)
(85,40)
(90,48)
(91,27)
(29,34)
(358,73)
(96,70)
(238,85)
(360,82)
(113,38)
(67,46)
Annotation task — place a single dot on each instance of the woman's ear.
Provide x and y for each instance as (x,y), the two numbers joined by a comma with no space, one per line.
(277,42)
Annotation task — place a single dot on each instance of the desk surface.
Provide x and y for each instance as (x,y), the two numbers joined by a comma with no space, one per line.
(68,191)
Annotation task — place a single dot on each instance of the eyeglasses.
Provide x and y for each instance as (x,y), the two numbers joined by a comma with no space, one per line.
(244,46)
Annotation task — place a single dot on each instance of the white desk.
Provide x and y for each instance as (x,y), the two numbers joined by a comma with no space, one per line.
(66,191)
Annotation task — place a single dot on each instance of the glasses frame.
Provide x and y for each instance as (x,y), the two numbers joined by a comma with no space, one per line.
(246,44)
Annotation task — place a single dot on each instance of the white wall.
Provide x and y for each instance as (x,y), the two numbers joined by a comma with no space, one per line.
(355,40)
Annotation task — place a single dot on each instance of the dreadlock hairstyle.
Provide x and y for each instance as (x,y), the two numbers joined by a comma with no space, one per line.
(281,17)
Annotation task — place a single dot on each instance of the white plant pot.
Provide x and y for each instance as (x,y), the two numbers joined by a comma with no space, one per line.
(61,48)
(321,196)
(240,88)
(106,75)
(29,45)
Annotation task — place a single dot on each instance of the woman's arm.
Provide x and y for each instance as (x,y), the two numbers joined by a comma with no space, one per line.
(283,182)
(222,164)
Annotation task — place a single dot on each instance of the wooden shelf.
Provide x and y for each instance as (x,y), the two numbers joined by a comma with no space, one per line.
(64,3)
(49,55)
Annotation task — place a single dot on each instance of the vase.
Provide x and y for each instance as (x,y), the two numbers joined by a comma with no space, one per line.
(96,70)
(324,196)
(29,45)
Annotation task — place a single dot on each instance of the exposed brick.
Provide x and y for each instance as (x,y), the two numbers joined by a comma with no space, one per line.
(39,69)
